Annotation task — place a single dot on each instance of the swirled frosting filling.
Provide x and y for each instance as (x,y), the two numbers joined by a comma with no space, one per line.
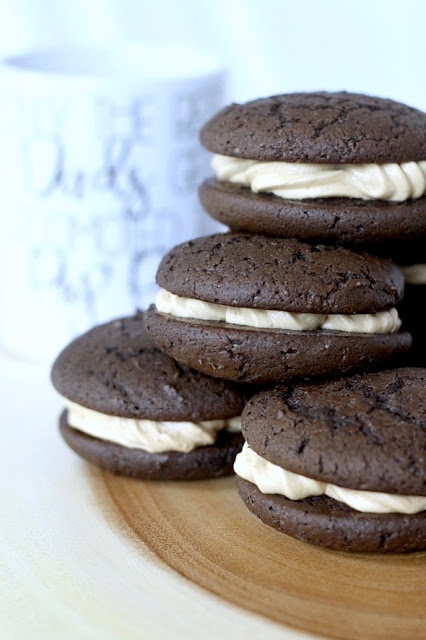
(270,478)
(150,435)
(390,181)
(181,307)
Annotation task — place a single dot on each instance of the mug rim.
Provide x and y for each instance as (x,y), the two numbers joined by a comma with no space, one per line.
(29,63)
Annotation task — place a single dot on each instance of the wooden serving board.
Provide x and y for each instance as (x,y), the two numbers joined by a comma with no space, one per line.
(202,531)
(91,555)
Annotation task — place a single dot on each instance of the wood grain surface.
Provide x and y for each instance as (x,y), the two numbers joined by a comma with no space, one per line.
(203,531)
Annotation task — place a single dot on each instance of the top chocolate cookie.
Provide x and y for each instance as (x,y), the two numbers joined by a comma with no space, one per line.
(366,432)
(260,272)
(116,369)
(319,128)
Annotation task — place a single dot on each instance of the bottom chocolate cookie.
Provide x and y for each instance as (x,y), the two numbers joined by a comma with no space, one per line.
(246,354)
(323,521)
(212,461)
(348,221)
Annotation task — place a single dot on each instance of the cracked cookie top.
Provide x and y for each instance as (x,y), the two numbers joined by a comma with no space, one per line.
(117,369)
(319,127)
(366,432)
(279,274)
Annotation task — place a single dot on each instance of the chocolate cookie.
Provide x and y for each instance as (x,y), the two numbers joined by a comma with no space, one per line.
(134,410)
(333,167)
(346,221)
(272,273)
(325,522)
(256,309)
(318,127)
(341,463)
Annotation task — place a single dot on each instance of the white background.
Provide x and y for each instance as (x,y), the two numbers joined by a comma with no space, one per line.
(270,46)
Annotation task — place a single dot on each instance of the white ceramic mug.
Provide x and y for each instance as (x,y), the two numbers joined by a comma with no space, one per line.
(99,168)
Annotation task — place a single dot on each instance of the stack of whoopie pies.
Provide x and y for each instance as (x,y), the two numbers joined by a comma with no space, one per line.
(338,168)
(319,190)
(324,195)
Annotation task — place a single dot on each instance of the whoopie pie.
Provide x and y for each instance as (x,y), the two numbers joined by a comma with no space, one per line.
(259,309)
(330,167)
(341,463)
(133,410)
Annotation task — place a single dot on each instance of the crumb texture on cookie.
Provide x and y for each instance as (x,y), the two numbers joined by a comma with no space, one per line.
(319,127)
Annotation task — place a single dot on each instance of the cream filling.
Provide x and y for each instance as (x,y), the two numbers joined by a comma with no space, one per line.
(397,182)
(181,307)
(270,478)
(150,435)
(414,273)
